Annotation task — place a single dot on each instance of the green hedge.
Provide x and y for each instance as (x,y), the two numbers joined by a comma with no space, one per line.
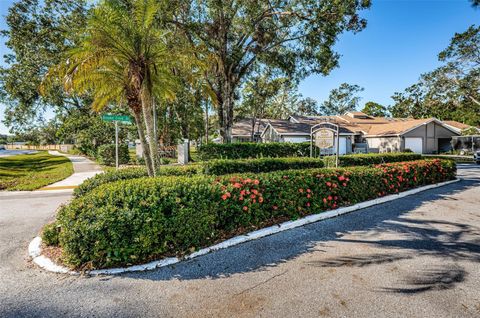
(371,158)
(138,220)
(106,154)
(130,173)
(244,150)
(220,167)
(213,167)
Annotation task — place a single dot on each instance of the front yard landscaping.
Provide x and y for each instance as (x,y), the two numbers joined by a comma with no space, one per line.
(139,219)
(33,171)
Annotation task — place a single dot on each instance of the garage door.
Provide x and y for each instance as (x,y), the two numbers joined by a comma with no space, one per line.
(414,144)
(342,149)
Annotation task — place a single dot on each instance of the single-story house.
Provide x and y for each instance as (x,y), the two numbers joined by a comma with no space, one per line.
(359,132)
(419,135)
(363,133)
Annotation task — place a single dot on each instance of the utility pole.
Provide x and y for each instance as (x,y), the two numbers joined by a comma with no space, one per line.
(206,121)
(155,136)
(116,144)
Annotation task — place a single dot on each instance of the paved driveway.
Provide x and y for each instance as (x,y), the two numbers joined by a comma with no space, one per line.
(414,257)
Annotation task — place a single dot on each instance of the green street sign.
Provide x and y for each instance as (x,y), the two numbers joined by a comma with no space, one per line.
(120,118)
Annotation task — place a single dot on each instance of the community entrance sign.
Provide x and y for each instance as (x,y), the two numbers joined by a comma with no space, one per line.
(124,119)
(325,136)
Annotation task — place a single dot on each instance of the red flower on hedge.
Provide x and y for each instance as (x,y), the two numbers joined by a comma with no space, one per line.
(245,208)
(341,178)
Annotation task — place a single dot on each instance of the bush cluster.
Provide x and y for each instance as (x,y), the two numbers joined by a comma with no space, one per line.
(106,154)
(371,158)
(137,220)
(244,150)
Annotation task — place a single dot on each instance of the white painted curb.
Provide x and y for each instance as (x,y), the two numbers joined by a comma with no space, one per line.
(35,250)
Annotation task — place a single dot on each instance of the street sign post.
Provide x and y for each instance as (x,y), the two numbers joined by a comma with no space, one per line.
(124,119)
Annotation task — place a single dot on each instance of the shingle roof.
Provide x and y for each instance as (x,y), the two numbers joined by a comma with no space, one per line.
(397,128)
(456,124)
(287,127)
(243,127)
(302,128)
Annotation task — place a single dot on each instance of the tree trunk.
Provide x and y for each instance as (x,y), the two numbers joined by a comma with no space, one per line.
(143,140)
(227,111)
(153,144)
(206,121)
(252,137)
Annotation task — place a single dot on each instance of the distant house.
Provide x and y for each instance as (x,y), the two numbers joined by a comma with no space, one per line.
(359,132)
(242,130)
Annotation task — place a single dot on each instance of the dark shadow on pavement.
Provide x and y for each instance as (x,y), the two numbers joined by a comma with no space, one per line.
(419,237)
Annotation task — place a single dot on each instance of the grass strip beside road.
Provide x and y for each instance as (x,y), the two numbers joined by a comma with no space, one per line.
(33,171)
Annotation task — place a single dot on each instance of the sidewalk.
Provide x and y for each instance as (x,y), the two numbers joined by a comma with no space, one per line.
(83,169)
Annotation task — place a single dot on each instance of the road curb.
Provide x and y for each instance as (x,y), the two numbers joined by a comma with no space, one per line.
(35,246)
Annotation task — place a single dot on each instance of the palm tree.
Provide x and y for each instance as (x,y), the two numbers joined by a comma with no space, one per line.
(123,57)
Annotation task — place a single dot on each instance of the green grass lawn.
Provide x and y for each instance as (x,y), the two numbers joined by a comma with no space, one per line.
(30,172)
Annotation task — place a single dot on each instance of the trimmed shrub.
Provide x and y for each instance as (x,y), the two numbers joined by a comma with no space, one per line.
(220,167)
(138,220)
(371,158)
(131,173)
(213,167)
(244,150)
(106,154)
(50,234)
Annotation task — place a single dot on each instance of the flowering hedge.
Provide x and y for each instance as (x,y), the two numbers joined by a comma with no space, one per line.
(137,220)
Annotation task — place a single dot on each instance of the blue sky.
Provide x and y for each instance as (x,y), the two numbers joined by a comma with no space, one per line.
(401,41)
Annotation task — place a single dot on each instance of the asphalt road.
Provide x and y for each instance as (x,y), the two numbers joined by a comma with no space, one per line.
(414,257)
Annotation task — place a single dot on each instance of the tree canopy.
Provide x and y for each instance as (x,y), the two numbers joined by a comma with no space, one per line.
(450,92)
(295,38)
(37,33)
(375,109)
(341,100)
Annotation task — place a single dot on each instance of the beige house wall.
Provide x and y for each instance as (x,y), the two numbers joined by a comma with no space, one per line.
(384,144)
(430,134)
